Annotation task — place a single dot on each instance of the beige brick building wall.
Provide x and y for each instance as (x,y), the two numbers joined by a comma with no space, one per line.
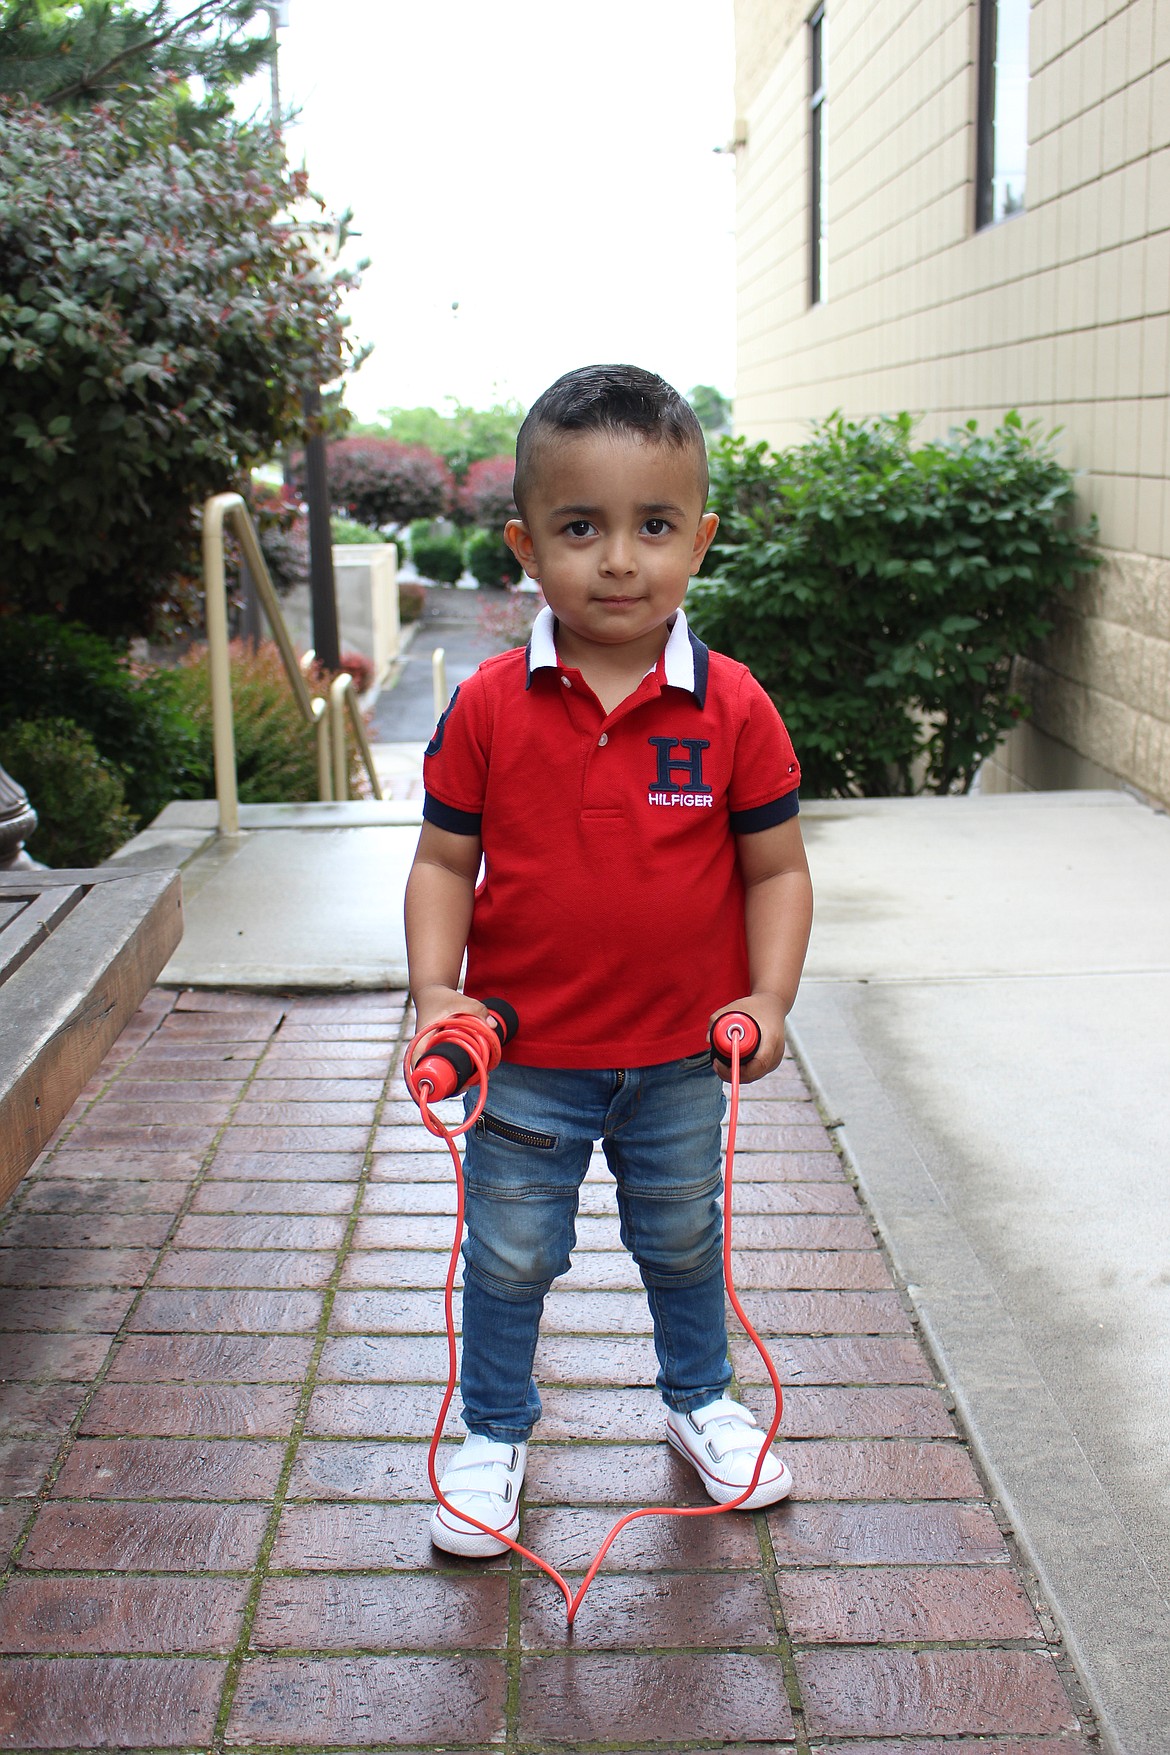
(1062,311)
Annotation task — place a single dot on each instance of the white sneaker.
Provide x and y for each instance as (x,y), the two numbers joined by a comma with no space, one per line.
(722,1441)
(484,1481)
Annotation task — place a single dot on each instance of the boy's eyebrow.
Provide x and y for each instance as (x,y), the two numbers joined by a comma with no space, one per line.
(649,507)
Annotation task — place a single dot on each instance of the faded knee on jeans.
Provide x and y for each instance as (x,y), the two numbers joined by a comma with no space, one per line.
(681,1247)
(676,1272)
(516,1262)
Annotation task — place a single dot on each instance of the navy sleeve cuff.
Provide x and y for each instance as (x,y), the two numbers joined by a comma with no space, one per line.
(765,816)
(445,816)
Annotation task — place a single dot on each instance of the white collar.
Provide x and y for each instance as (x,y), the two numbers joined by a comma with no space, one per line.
(678,654)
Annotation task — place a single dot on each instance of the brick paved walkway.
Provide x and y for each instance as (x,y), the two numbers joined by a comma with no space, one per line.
(219,1305)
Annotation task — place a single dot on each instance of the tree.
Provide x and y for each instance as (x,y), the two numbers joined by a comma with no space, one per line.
(712,408)
(71,56)
(461,438)
(159,318)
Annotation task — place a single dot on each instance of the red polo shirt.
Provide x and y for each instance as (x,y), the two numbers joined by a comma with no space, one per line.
(610,910)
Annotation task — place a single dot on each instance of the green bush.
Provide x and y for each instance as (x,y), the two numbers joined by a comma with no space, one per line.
(489,559)
(137,723)
(437,553)
(77,795)
(881,591)
(276,760)
(345,531)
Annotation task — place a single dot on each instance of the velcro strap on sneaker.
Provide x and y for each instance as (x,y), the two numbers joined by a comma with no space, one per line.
(481,1475)
(730,1422)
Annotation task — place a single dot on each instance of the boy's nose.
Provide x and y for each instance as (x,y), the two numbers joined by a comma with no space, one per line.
(619,557)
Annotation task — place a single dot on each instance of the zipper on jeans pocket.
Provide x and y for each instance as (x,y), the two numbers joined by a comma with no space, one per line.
(519,1136)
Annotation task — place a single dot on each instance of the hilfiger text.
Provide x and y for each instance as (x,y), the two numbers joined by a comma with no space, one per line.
(704,800)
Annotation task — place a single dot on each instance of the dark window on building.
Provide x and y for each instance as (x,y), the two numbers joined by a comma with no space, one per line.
(816,157)
(1002,116)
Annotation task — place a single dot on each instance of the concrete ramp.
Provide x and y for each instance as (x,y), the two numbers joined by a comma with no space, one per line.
(986,1018)
(306,896)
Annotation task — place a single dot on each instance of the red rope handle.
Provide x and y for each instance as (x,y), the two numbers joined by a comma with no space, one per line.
(482,1044)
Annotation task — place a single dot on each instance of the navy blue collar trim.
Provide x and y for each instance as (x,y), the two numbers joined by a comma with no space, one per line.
(702,666)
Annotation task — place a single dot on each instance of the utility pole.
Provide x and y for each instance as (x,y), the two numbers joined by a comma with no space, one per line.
(322,585)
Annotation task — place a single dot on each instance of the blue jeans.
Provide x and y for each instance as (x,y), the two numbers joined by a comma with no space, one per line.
(525,1161)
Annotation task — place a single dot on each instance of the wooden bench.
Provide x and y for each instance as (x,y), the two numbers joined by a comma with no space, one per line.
(78,953)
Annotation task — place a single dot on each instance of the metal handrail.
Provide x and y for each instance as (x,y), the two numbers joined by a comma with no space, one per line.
(326,720)
(342,700)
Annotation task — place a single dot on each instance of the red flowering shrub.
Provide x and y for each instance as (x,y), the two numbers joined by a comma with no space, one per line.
(485,496)
(507,621)
(357,664)
(379,481)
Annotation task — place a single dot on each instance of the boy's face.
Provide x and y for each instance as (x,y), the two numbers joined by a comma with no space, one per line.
(614,528)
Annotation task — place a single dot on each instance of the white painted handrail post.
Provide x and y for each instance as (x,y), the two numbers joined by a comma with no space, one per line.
(223,740)
(324,754)
(439,681)
(337,692)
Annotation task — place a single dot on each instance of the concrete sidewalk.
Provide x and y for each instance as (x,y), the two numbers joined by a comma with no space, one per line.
(219,1292)
(986,1015)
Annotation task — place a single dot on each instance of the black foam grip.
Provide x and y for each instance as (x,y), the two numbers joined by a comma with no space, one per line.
(457,1058)
(505,1016)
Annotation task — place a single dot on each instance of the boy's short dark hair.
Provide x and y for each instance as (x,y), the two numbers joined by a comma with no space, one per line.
(609,399)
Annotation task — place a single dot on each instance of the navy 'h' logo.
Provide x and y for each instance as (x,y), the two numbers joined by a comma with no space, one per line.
(690,764)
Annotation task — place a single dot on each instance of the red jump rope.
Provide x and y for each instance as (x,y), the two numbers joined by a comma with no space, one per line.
(461,1050)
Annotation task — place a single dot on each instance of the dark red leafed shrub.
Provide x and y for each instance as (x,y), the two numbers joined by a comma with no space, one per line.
(485,496)
(379,481)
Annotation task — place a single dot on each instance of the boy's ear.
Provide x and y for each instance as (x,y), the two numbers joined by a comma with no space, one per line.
(704,536)
(519,540)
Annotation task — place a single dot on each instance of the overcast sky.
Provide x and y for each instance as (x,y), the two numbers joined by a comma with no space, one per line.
(547,166)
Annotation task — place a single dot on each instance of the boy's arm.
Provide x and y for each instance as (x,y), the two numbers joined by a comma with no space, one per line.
(778,916)
(440,892)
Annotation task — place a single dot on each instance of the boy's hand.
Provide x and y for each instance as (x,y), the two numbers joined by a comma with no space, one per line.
(433,1004)
(768,1011)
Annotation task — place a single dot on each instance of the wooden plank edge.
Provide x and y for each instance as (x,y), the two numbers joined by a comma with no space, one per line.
(59,1022)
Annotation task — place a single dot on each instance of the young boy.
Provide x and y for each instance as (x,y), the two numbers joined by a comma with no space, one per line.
(633,797)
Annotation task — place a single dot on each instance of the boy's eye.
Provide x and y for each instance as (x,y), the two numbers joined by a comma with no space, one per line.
(579,527)
(656,526)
